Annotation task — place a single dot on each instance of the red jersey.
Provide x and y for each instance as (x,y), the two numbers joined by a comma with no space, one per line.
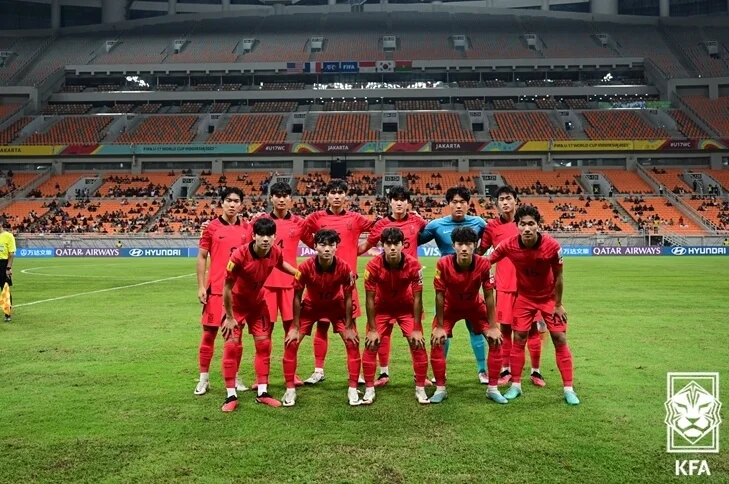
(349,226)
(498,230)
(220,239)
(289,231)
(249,271)
(534,267)
(394,286)
(324,286)
(411,226)
(462,287)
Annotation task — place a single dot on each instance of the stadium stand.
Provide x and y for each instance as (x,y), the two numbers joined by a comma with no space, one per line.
(536,182)
(721,176)
(627,181)
(78,130)
(670,178)
(147,45)
(186,216)
(16,181)
(438,127)
(9,134)
(714,113)
(231,87)
(341,128)
(26,49)
(494,38)
(504,104)
(547,103)
(149,108)
(57,185)
(220,107)
(66,109)
(619,125)
(72,88)
(418,105)
(348,38)
(105,216)
(208,43)
(421,37)
(654,213)
(577,103)
(526,126)
(474,104)
(274,107)
(21,214)
(355,105)
(689,40)
(281,38)
(713,209)
(437,182)
(283,86)
(145,185)
(566,38)
(7,110)
(162,129)
(254,183)
(71,50)
(122,108)
(687,126)
(248,128)
(312,183)
(583,215)
(191,108)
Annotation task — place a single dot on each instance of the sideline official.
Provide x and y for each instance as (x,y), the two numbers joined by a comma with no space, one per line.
(7,255)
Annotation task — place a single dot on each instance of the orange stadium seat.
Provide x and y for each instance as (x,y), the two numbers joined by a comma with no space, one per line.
(9,134)
(566,38)
(124,181)
(442,127)
(597,211)
(556,181)
(666,213)
(64,182)
(7,110)
(26,49)
(249,182)
(714,113)
(721,176)
(274,107)
(250,128)
(688,38)
(78,130)
(127,221)
(713,210)
(670,178)
(687,126)
(66,50)
(19,180)
(494,38)
(66,109)
(438,182)
(515,126)
(619,125)
(644,41)
(162,129)
(627,181)
(355,105)
(16,212)
(341,128)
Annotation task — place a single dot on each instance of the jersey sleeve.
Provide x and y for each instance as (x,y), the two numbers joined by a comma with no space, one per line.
(438,279)
(278,258)
(556,258)
(235,265)
(498,253)
(371,276)
(301,278)
(311,225)
(306,236)
(487,239)
(375,233)
(481,224)
(428,233)
(347,279)
(364,224)
(487,277)
(416,278)
(12,247)
(206,239)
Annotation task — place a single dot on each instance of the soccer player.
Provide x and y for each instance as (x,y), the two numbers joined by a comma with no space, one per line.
(459,278)
(394,288)
(329,283)
(349,225)
(440,229)
(218,241)
(411,224)
(279,287)
(248,268)
(539,284)
(496,232)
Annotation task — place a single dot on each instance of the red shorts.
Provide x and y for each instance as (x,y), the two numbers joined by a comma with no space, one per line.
(256,317)
(384,324)
(279,299)
(476,315)
(332,312)
(526,311)
(213,311)
(504,305)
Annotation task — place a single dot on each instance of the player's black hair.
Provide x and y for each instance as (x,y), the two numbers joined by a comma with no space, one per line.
(280,189)
(264,226)
(460,191)
(398,192)
(464,235)
(326,237)
(527,211)
(506,190)
(336,185)
(392,235)
(228,190)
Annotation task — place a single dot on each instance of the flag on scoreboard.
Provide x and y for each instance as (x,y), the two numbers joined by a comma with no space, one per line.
(367,66)
(312,66)
(295,67)
(403,66)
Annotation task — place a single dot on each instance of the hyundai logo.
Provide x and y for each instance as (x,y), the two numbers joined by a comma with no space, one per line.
(678,251)
(136,252)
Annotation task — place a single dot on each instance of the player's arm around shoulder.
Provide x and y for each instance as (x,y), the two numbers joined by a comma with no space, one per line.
(428,232)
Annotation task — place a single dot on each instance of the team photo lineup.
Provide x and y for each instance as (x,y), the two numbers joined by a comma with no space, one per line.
(506,298)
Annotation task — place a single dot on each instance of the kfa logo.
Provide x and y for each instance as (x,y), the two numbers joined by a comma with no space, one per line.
(692,419)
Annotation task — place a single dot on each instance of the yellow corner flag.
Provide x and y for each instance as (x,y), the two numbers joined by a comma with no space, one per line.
(5,300)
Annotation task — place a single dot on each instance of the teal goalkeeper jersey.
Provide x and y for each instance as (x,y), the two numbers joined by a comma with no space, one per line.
(440,229)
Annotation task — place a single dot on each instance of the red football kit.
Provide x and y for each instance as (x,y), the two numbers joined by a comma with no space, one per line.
(411,225)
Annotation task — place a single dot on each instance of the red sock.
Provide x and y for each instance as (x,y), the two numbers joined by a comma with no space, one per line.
(438,363)
(207,349)
(493,362)
(420,365)
(230,363)
(354,363)
(564,363)
(506,346)
(321,343)
(383,352)
(369,365)
(238,355)
(262,361)
(290,361)
(534,343)
(517,360)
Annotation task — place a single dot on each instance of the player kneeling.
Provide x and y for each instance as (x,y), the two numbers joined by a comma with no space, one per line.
(394,287)
(248,268)
(329,282)
(458,281)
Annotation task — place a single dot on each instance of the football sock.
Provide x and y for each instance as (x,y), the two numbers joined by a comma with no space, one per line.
(385,369)
(354,363)
(478,345)
(494,365)
(534,343)
(446,347)
(262,360)
(262,388)
(204,376)
(238,355)
(420,366)
(493,389)
(506,346)
(369,365)
(231,392)
(207,349)
(440,388)
(438,363)
(517,360)
(516,385)
(383,352)
(290,361)
(321,343)
(564,363)
(569,389)
(230,363)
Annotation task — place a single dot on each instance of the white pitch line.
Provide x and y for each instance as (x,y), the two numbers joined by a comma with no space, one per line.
(44,274)
(117,288)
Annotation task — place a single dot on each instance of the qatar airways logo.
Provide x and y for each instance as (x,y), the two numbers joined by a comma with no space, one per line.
(626,251)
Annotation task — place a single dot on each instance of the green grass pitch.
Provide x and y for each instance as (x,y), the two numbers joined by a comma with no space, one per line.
(98,387)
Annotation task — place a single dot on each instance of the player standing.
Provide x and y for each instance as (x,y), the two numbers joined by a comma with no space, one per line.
(539,283)
(411,224)
(349,225)
(329,283)
(440,230)
(218,241)
(248,268)
(394,288)
(459,278)
(497,231)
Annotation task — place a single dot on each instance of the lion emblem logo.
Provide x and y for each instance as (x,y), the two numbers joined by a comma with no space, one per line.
(693,413)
